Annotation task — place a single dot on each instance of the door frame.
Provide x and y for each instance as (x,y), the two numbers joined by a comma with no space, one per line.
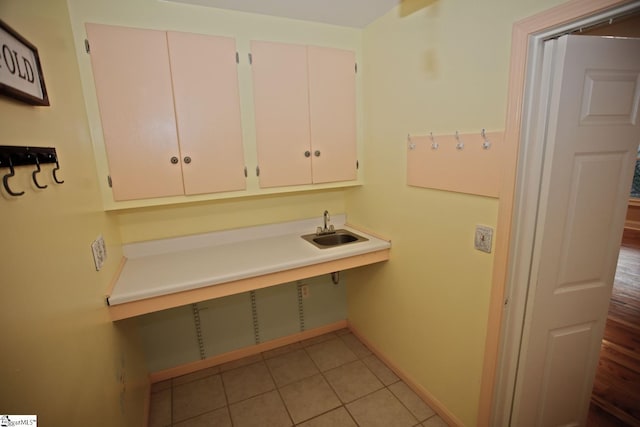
(522,167)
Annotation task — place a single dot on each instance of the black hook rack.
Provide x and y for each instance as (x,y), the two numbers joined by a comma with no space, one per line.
(13,156)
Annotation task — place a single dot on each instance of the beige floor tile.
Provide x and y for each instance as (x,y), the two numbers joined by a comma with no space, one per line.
(249,360)
(217,418)
(352,381)
(290,367)
(308,398)
(202,373)
(331,354)
(380,370)
(435,421)
(281,350)
(260,411)
(355,345)
(381,409)
(418,408)
(160,408)
(197,397)
(247,381)
(336,418)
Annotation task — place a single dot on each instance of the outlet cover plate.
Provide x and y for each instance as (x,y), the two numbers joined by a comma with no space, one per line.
(483,238)
(99,250)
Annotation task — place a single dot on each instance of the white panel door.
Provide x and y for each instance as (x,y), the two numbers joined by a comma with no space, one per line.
(591,146)
(207,105)
(133,84)
(281,101)
(332,110)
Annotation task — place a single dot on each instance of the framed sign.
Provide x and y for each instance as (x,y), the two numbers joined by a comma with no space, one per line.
(20,71)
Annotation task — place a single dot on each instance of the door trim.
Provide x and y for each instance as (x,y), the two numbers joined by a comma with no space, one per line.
(513,238)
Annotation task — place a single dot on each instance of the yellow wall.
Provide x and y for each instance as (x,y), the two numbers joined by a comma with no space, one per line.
(62,359)
(436,66)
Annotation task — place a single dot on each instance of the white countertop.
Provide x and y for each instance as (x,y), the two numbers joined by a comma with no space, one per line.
(163,267)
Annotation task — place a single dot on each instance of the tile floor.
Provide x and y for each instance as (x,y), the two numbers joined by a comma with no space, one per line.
(332,380)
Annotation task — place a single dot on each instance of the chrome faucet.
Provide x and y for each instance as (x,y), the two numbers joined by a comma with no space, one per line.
(326,228)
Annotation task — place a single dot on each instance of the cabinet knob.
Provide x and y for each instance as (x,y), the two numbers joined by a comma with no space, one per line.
(316,153)
(174,160)
(187,159)
(307,153)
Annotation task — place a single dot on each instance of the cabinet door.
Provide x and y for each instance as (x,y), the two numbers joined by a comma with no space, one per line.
(281,101)
(207,107)
(133,84)
(332,109)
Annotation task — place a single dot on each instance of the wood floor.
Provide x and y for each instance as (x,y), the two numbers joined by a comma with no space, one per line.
(616,393)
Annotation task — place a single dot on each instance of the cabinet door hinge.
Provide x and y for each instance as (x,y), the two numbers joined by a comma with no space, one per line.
(237,58)
(245,172)
(356,67)
(87,47)
(357,165)
(250,58)
(109,181)
(257,170)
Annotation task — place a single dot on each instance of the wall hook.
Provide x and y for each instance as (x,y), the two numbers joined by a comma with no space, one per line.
(434,144)
(5,180)
(412,146)
(35,172)
(486,144)
(460,144)
(57,168)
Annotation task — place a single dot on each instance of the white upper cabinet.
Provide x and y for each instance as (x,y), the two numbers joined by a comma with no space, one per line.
(305,111)
(170,111)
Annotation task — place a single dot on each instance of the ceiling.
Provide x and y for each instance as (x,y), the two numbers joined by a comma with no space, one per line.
(347,13)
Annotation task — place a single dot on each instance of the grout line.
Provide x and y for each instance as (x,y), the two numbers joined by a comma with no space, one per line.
(277,389)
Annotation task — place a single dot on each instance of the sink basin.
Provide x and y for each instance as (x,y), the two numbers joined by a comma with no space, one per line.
(338,238)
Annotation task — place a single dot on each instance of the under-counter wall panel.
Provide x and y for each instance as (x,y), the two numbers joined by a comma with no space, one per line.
(225,324)
(133,85)
(169,338)
(207,108)
(466,163)
(326,302)
(187,334)
(276,311)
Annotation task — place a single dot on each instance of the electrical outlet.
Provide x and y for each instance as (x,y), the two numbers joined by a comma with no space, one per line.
(484,238)
(99,250)
(305,291)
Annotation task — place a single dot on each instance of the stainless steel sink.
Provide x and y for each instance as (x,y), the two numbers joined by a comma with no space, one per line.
(331,240)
